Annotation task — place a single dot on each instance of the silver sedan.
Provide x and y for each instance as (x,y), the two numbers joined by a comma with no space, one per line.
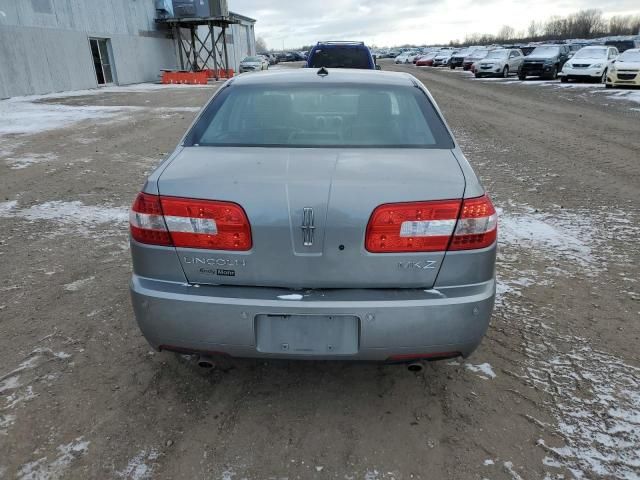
(315,214)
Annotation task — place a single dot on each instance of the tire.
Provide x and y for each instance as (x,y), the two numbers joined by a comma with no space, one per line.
(603,79)
(477,75)
(564,79)
(554,73)
(608,85)
(505,71)
(522,77)
(452,67)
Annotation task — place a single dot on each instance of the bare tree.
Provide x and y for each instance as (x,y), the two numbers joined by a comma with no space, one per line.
(586,23)
(505,33)
(261,45)
(582,24)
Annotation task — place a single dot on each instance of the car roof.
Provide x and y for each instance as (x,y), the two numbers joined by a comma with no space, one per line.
(334,76)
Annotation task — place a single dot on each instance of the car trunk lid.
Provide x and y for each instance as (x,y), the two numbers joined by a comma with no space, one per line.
(308,209)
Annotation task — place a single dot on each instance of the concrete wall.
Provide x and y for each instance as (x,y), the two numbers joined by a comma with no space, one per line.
(44,44)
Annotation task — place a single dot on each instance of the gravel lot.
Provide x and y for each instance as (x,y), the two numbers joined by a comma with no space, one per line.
(553,392)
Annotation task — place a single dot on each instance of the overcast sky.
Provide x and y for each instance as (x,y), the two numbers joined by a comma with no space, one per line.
(396,22)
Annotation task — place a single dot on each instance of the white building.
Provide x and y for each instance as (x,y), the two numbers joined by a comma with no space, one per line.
(57,45)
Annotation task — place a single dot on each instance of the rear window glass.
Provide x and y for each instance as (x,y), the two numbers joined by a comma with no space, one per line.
(320,116)
(336,57)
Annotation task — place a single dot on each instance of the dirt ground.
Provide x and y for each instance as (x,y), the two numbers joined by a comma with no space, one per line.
(553,392)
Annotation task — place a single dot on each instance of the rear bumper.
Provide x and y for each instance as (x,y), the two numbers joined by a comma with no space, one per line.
(222,319)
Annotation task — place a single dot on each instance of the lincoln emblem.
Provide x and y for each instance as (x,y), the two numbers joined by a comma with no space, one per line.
(307,226)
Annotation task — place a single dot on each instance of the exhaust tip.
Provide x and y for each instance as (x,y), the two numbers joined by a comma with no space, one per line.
(415,367)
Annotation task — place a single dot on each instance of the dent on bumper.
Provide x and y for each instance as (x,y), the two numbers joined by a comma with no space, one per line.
(221,319)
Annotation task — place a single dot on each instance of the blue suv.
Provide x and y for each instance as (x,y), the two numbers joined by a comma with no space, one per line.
(341,55)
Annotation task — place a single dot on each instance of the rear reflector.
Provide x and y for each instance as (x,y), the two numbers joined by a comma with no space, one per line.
(190,223)
(432,226)
(412,227)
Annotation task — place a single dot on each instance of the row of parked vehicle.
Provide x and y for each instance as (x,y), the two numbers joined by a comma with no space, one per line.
(599,63)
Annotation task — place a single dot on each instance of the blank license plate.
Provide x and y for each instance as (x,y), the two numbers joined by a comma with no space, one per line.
(307,334)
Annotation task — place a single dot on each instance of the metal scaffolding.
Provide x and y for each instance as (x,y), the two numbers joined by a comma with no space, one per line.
(195,53)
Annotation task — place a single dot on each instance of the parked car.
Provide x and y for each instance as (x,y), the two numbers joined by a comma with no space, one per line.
(457,59)
(589,63)
(442,58)
(253,64)
(499,63)
(407,57)
(285,270)
(625,70)
(624,44)
(545,61)
(341,55)
(273,59)
(477,54)
(426,60)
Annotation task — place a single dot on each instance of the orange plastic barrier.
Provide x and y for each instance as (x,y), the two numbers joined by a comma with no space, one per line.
(221,73)
(190,78)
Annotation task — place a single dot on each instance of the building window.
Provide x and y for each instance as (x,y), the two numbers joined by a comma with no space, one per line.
(101,60)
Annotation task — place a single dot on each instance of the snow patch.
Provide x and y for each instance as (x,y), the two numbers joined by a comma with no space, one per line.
(22,117)
(6,421)
(488,461)
(75,216)
(550,233)
(6,207)
(508,467)
(67,454)
(25,161)
(483,370)
(10,383)
(293,296)
(138,467)
(78,284)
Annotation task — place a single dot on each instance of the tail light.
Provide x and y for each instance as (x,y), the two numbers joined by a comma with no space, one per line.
(432,226)
(189,223)
(477,226)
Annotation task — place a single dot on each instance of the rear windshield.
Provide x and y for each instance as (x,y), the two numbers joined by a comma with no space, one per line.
(252,59)
(298,115)
(340,57)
